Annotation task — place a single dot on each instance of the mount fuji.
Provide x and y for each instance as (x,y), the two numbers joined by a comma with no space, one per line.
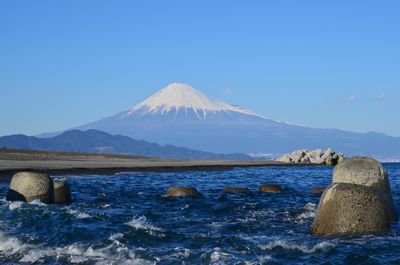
(181,115)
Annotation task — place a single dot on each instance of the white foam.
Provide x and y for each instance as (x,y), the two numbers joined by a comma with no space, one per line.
(116,253)
(18,204)
(38,203)
(322,246)
(310,206)
(310,210)
(15,205)
(305,215)
(35,255)
(78,214)
(115,237)
(219,257)
(187,206)
(178,254)
(182,252)
(142,223)
(10,245)
(263,259)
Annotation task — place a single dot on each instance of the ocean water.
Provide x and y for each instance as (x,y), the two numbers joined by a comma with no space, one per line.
(124,219)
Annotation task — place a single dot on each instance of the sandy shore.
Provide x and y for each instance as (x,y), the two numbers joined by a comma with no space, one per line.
(60,163)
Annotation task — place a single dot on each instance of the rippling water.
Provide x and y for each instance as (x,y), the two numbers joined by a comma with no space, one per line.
(124,219)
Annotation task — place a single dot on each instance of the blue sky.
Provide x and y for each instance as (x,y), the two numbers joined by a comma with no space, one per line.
(328,64)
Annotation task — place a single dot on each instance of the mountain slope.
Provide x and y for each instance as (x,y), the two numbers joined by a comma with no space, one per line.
(93,141)
(181,115)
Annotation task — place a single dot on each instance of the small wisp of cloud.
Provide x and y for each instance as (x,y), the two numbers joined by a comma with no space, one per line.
(351,98)
(227,92)
(381,96)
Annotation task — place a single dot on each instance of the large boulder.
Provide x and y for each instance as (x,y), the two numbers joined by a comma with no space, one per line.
(367,172)
(29,186)
(182,192)
(351,209)
(62,192)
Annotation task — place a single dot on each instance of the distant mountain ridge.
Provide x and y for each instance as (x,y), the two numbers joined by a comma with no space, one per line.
(181,115)
(94,141)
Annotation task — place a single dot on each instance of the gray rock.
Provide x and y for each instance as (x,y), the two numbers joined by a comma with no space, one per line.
(315,153)
(316,160)
(315,156)
(305,159)
(327,153)
(29,186)
(182,192)
(297,156)
(62,192)
(351,209)
(367,172)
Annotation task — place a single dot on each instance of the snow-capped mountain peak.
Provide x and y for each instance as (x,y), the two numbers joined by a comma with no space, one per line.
(179,96)
(182,116)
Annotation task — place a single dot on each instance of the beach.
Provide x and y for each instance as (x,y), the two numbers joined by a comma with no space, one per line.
(64,163)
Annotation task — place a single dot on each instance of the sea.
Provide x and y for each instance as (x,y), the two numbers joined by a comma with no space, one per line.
(125,219)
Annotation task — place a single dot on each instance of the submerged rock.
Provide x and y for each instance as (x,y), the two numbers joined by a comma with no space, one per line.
(317,190)
(182,192)
(367,172)
(29,186)
(351,209)
(327,157)
(270,188)
(236,190)
(62,192)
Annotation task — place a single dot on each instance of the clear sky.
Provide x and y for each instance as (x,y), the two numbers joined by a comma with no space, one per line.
(328,64)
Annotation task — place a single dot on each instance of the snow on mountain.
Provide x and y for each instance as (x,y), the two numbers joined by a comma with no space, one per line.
(181,97)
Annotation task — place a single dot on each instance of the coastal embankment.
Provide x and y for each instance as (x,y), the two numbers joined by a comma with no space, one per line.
(63,163)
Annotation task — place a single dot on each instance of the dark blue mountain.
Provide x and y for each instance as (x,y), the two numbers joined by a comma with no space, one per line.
(94,141)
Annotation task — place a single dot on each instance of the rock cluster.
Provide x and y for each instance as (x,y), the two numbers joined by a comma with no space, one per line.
(318,156)
(359,200)
(29,186)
